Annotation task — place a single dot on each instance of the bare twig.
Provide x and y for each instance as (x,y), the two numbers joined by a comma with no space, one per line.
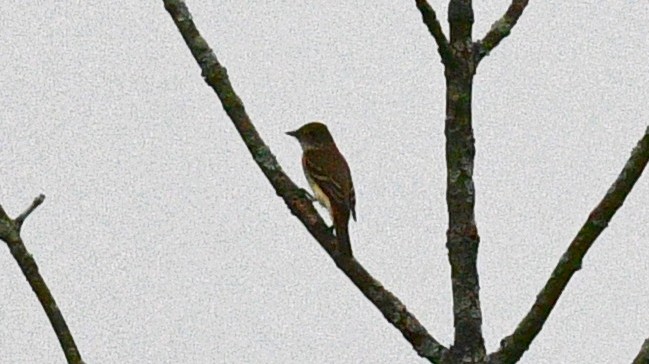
(513,347)
(216,77)
(643,355)
(10,234)
(10,228)
(432,23)
(501,28)
(37,202)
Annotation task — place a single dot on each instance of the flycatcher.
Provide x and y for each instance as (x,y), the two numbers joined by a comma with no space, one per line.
(328,174)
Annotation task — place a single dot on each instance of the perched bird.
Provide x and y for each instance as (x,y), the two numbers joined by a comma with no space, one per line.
(328,174)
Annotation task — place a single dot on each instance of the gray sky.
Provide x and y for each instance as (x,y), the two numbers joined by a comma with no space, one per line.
(162,241)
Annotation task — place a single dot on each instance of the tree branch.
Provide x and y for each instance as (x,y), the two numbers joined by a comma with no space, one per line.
(21,218)
(501,28)
(216,77)
(513,347)
(462,235)
(643,355)
(10,234)
(460,21)
(432,23)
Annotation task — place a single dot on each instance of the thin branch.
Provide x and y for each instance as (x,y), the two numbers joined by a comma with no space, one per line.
(10,234)
(216,77)
(37,202)
(643,355)
(513,347)
(501,28)
(432,23)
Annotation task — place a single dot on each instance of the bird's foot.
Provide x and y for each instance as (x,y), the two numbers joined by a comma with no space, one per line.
(331,229)
(304,193)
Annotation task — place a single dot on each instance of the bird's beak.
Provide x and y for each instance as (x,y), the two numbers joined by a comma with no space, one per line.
(292,133)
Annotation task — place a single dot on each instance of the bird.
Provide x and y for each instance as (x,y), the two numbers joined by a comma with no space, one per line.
(329,177)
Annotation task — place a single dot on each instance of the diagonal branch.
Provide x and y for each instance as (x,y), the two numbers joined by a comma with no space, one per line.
(513,347)
(10,234)
(643,355)
(432,23)
(501,28)
(216,77)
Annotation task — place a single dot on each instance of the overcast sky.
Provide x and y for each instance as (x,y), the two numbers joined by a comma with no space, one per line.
(163,243)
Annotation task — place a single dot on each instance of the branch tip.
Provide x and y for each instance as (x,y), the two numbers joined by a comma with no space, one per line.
(502,27)
(37,202)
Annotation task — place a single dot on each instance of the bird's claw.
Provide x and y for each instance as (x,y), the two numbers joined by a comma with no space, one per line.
(331,229)
(306,195)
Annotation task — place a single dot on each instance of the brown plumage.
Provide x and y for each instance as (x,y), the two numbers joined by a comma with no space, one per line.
(328,174)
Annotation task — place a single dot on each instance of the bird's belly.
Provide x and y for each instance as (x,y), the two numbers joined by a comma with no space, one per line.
(319,195)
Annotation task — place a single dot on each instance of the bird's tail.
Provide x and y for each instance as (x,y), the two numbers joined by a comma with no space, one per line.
(342,234)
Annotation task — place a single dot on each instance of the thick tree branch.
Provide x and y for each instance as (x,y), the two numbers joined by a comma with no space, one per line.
(460,20)
(462,234)
(501,28)
(513,347)
(10,234)
(432,23)
(216,77)
(643,355)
